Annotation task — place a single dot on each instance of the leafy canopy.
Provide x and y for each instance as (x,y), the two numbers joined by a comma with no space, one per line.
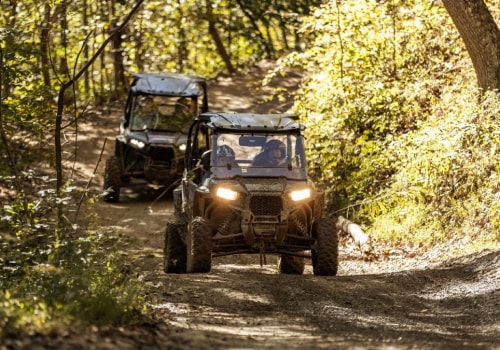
(393,135)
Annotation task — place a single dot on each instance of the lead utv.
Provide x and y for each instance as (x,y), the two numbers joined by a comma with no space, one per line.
(236,197)
(153,130)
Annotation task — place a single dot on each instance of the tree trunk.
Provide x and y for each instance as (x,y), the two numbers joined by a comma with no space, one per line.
(269,49)
(481,37)
(44,45)
(86,77)
(217,40)
(118,68)
(11,18)
(3,135)
(182,44)
(64,68)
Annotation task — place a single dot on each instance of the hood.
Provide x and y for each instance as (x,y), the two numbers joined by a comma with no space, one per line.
(152,137)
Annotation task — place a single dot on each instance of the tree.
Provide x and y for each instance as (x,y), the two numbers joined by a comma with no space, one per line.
(217,39)
(70,83)
(481,37)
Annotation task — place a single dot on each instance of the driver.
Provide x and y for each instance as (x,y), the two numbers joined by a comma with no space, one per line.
(273,154)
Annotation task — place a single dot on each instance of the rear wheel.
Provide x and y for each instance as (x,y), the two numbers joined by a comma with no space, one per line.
(326,248)
(112,179)
(199,246)
(293,265)
(174,250)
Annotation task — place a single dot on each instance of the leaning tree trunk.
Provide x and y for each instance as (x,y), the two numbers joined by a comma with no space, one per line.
(217,40)
(481,37)
(360,238)
(118,67)
(268,47)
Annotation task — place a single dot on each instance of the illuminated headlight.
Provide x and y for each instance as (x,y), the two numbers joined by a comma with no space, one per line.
(182,147)
(300,194)
(227,193)
(137,143)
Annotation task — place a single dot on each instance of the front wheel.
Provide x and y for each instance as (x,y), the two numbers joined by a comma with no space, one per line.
(112,179)
(199,246)
(174,251)
(325,251)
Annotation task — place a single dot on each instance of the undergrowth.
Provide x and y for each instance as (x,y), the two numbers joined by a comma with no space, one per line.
(396,136)
(447,185)
(53,276)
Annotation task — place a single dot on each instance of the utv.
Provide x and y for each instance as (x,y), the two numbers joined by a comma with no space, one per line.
(153,131)
(245,189)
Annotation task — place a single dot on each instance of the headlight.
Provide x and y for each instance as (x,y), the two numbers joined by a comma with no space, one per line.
(137,144)
(226,193)
(300,194)
(182,147)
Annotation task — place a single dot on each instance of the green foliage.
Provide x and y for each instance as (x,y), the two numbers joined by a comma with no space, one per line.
(175,36)
(45,45)
(393,136)
(75,282)
(27,105)
(372,78)
(51,277)
(52,273)
(449,169)
(162,36)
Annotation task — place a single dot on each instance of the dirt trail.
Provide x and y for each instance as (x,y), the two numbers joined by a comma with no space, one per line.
(403,301)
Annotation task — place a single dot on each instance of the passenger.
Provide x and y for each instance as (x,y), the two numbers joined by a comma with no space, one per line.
(204,165)
(185,107)
(225,156)
(145,113)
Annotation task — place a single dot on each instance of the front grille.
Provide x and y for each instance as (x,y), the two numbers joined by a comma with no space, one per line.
(161,156)
(266,205)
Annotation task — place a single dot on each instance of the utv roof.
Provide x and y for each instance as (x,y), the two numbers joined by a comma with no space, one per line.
(252,122)
(168,84)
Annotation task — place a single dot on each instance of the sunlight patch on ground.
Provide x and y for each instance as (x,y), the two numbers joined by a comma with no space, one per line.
(176,308)
(414,322)
(223,323)
(252,297)
(265,269)
(233,323)
(462,288)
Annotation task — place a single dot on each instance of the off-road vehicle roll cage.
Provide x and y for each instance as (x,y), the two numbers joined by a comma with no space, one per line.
(153,130)
(245,189)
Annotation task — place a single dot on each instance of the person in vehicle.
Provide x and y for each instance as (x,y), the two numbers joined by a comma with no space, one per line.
(225,156)
(273,154)
(204,165)
(185,107)
(145,113)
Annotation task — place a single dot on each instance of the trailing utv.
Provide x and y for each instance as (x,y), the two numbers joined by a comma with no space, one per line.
(153,130)
(245,189)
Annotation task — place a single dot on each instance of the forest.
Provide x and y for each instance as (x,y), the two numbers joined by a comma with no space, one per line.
(402,134)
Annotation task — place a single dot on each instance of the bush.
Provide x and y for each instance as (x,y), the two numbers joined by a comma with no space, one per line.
(394,138)
(59,275)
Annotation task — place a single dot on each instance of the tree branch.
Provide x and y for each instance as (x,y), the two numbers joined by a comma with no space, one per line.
(71,82)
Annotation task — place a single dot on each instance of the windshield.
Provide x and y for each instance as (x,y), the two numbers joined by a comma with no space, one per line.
(163,113)
(258,155)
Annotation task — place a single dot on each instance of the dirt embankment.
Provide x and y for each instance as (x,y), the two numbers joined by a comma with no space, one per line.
(401,301)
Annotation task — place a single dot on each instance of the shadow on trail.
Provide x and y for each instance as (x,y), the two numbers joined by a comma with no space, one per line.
(455,306)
